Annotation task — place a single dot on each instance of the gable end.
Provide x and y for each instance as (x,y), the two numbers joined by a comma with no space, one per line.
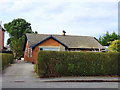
(50,38)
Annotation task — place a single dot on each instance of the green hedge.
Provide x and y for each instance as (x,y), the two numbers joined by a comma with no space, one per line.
(51,63)
(7,59)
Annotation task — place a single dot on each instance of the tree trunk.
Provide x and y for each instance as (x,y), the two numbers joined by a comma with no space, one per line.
(15,54)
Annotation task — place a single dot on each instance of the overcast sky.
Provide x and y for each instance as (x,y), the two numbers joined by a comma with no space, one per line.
(76,17)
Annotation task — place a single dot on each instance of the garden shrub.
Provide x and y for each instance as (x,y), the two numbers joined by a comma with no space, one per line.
(55,64)
(34,67)
(7,58)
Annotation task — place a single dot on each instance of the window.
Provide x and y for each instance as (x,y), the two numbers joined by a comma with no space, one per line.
(28,52)
(49,48)
(31,53)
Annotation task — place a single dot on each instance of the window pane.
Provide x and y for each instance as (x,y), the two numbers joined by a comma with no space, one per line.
(31,52)
(28,52)
(51,49)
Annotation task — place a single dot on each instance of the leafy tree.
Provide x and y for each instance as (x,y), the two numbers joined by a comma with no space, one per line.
(36,32)
(115,46)
(17,30)
(108,38)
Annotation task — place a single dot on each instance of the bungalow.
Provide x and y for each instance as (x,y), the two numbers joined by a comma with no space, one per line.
(36,42)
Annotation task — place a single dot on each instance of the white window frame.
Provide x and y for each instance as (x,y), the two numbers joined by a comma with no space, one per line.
(31,53)
(28,52)
(57,47)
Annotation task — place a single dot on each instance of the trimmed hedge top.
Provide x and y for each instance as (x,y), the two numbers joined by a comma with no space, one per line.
(51,63)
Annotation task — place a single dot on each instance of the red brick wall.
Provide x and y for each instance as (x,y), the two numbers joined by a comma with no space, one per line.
(1,39)
(49,42)
(25,53)
(26,58)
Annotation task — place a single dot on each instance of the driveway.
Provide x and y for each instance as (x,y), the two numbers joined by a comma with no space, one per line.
(21,75)
(20,71)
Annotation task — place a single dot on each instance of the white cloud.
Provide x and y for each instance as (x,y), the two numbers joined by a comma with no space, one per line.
(4,4)
(21,5)
(82,17)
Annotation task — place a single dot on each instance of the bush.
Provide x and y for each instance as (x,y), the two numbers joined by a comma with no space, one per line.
(6,59)
(34,67)
(51,63)
(115,46)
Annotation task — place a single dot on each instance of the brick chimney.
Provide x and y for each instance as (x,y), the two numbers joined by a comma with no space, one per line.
(63,33)
(1,37)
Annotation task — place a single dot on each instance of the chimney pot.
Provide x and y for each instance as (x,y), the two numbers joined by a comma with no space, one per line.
(64,32)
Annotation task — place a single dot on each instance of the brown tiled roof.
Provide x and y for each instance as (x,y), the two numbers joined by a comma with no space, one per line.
(69,40)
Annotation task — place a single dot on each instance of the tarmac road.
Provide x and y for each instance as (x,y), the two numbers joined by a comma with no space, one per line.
(21,75)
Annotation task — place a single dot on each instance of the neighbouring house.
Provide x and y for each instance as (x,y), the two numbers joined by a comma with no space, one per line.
(36,42)
(2,48)
(2,31)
